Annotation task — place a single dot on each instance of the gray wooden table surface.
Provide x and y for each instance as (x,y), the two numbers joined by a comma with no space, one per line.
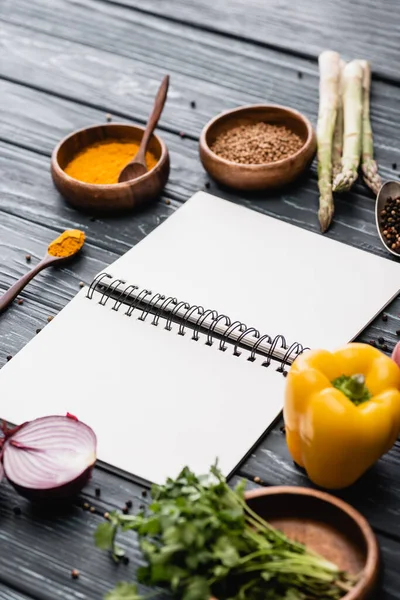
(64,64)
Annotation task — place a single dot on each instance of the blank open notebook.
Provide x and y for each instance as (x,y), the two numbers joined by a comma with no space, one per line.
(175,352)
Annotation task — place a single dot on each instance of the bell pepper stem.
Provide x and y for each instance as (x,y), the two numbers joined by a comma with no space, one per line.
(353,387)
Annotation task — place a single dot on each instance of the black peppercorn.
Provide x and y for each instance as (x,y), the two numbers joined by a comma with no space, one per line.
(125,560)
(193,104)
(97,491)
(384,317)
(17,511)
(381,340)
(129,503)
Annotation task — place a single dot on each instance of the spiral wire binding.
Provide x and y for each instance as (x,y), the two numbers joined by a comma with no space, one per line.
(209,321)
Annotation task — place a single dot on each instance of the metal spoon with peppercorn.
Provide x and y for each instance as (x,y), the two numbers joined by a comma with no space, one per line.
(387,215)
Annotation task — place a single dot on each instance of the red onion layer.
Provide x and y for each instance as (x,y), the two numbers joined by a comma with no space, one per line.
(49,458)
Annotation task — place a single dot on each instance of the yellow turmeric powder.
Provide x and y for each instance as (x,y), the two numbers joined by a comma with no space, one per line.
(102,162)
(67,244)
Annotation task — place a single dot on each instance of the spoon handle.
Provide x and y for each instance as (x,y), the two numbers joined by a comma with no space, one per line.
(153,119)
(19,285)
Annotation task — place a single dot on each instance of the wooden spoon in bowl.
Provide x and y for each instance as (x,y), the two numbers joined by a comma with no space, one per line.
(137,166)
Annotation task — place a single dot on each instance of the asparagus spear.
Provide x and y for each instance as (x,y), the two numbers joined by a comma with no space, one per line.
(352,112)
(329,69)
(368,164)
(337,147)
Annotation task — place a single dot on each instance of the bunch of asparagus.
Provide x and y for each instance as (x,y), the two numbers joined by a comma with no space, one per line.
(344,130)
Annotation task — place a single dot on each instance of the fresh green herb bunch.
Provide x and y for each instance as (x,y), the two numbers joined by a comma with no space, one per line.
(201,539)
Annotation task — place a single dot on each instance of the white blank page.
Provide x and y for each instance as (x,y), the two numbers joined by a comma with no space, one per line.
(157,401)
(273,276)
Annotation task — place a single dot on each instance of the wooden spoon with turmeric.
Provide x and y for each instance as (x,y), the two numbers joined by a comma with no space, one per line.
(61,249)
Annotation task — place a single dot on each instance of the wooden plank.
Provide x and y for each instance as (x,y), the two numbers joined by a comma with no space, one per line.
(376,495)
(38,568)
(257,74)
(28,187)
(8,594)
(365,29)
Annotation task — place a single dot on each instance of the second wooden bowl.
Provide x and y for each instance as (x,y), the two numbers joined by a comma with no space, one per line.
(115,197)
(258,176)
(326,525)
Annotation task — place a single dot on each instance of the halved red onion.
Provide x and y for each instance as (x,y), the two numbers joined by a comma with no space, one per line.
(50,458)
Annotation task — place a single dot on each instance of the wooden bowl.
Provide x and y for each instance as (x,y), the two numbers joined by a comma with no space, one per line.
(115,197)
(326,525)
(258,176)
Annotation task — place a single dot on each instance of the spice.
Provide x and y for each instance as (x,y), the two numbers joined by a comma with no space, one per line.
(9,357)
(394,166)
(125,510)
(106,516)
(390,223)
(372,342)
(129,503)
(257,143)
(108,118)
(97,491)
(28,258)
(74,573)
(299,74)
(49,319)
(20,301)
(17,511)
(125,560)
(38,330)
(86,506)
(257,479)
(397,331)
(92,509)
(67,244)
(81,284)
(384,317)
(193,104)
(381,340)
(144,493)
(102,162)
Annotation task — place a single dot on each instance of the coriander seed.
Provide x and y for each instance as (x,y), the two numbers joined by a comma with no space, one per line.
(257,143)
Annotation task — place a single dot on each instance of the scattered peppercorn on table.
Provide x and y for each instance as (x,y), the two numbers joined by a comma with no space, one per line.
(68,65)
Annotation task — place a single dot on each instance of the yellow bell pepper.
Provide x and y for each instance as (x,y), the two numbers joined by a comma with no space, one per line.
(342,412)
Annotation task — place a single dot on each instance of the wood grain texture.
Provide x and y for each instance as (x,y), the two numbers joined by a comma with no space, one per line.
(354,222)
(58,74)
(273,464)
(33,566)
(305,28)
(212,63)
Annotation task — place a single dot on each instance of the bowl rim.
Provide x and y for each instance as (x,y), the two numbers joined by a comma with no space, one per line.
(107,186)
(258,166)
(370,569)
